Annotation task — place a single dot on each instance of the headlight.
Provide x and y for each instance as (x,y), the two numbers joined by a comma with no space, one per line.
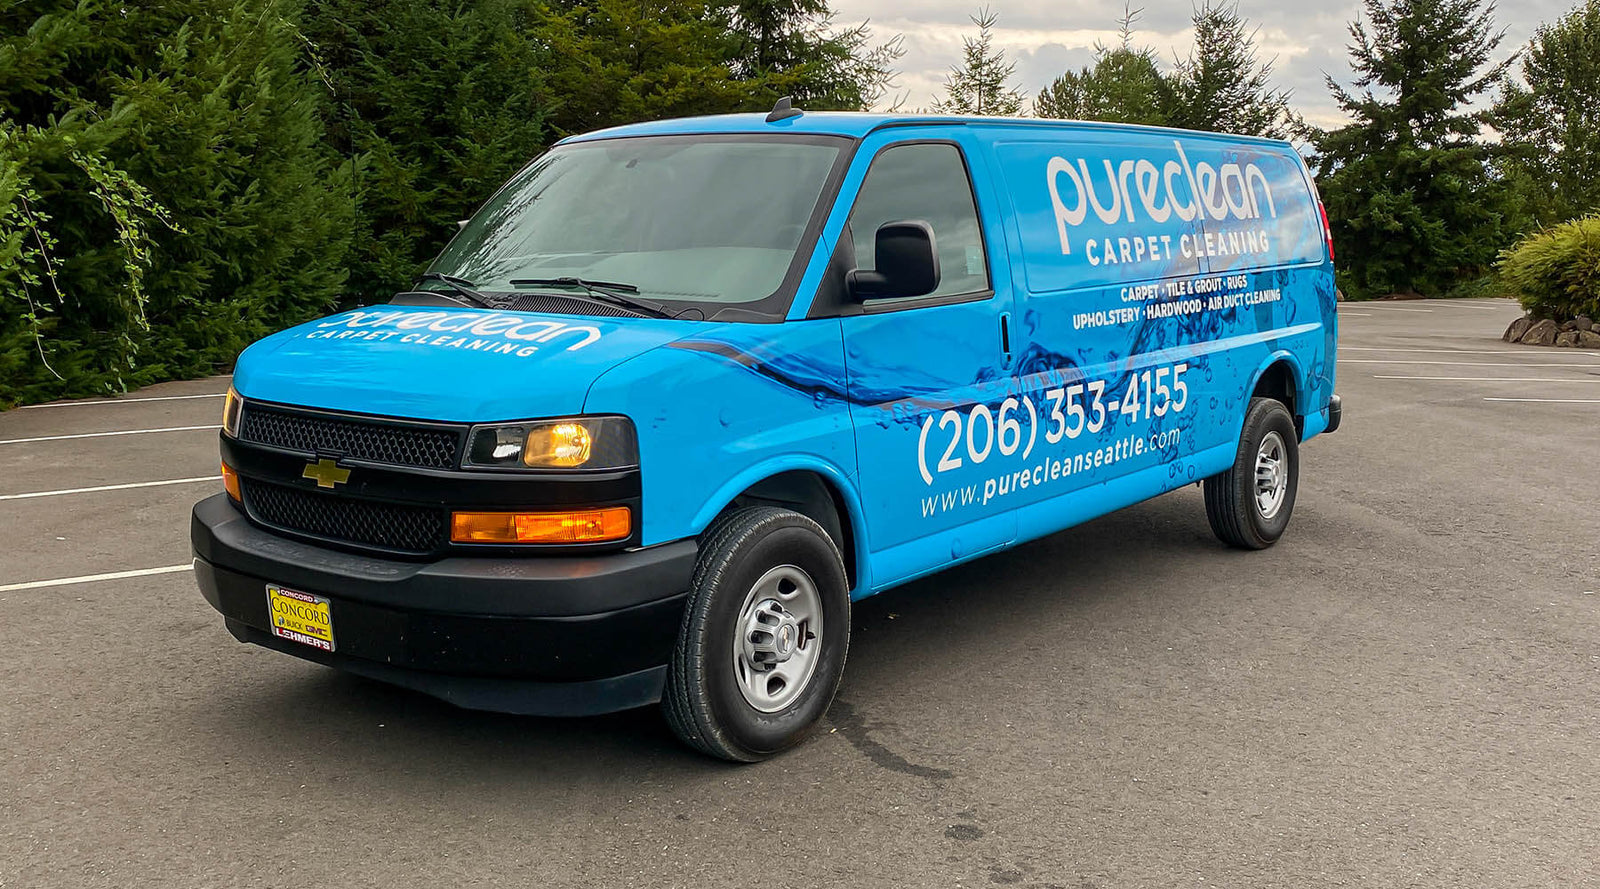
(570,443)
(230,413)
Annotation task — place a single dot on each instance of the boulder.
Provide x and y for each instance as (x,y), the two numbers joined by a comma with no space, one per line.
(1517,329)
(1567,338)
(1588,339)
(1584,322)
(1569,325)
(1542,333)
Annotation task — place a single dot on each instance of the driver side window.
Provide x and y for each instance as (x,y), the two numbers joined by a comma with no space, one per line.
(926,181)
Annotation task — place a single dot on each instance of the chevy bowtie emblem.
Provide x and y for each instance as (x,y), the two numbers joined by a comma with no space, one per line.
(326,473)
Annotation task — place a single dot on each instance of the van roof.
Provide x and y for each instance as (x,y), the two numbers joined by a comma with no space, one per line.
(857,124)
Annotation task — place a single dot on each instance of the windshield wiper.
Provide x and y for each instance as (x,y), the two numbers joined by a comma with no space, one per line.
(612,292)
(461,286)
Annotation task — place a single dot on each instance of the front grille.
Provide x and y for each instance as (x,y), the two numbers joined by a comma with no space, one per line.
(433,447)
(412,529)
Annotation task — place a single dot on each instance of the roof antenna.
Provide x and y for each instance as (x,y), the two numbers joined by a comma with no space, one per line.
(783,110)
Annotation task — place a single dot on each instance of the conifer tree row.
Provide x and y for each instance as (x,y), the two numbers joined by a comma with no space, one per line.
(180,178)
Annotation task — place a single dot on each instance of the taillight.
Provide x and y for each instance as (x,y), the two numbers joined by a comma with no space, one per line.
(1327,230)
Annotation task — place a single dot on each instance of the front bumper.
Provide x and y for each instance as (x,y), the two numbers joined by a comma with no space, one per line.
(1335,413)
(556,636)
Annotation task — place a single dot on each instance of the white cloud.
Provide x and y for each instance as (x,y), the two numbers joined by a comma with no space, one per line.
(1047,38)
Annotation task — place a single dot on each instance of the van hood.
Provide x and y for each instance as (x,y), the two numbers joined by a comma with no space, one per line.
(458,365)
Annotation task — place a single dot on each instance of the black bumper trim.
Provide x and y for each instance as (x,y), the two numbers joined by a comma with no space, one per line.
(1335,413)
(510,586)
(537,635)
(518,696)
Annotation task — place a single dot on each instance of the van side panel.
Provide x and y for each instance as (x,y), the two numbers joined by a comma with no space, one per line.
(1160,273)
(1136,338)
(723,401)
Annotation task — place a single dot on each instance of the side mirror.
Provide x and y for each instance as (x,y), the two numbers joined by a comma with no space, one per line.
(906,263)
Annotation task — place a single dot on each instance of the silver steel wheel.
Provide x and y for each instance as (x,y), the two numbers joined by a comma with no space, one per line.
(779,638)
(1272,475)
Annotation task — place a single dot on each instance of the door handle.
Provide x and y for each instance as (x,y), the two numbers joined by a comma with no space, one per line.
(1005,338)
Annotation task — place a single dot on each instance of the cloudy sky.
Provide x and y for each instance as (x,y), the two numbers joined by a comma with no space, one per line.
(1307,37)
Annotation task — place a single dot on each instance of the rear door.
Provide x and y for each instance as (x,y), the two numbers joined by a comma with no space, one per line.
(929,376)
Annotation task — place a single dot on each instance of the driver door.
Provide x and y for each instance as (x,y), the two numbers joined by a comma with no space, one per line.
(928,375)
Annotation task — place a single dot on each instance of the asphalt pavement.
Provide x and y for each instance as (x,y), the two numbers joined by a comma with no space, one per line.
(1402,692)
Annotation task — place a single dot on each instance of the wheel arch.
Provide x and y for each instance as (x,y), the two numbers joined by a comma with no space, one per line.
(1280,377)
(814,488)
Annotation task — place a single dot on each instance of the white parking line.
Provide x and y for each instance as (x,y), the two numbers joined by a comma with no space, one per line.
(1467,363)
(97,488)
(1529,353)
(91,578)
(1344,314)
(1596,380)
(104,434)
(1398,309)
(1551,400)
(102,401)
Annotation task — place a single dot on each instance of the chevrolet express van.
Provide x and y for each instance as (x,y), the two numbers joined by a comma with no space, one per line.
(681,392)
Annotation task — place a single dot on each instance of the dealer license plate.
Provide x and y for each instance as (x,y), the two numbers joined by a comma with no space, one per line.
(300,617)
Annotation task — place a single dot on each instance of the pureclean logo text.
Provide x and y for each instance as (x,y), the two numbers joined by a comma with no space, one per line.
(1232,191)
(494,333)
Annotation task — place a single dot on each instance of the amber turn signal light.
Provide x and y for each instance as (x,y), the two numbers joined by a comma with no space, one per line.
(230,482)
(582,526)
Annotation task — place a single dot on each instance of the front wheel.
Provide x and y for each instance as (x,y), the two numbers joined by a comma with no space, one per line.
(763,639)
(1249,505)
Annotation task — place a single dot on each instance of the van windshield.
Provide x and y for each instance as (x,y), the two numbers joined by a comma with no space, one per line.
(708,220)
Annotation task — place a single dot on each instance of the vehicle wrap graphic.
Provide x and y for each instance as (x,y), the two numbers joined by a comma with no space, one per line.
(1091,377)
(1114,210)
(1168,388)
(495,332)
(467,364)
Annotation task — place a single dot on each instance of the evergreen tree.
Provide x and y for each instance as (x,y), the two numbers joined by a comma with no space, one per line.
(178,178)
(169,196)
(789,48)
(439,103)
(1124,85)
(1222,86)
(230,142)
(1407,189)
(981,84)
(1550,121)
(684,57)
(618,61)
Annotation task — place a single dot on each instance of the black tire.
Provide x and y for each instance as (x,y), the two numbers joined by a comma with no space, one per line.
(1235,515)
(702,700)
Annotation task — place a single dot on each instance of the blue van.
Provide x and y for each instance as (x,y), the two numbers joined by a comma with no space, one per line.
(680,392)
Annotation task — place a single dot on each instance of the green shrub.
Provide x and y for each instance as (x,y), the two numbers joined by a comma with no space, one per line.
(166,195)
(1555,273)
(179,178)
(440,102)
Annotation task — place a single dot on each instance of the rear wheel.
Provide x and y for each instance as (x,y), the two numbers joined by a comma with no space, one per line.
(763,639)
(1249,505)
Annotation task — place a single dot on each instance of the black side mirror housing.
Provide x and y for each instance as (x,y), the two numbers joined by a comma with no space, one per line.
(907,263)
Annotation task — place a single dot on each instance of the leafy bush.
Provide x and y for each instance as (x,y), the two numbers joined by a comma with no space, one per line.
(166,196)
(179,178)
(441,103)
(1555,273)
